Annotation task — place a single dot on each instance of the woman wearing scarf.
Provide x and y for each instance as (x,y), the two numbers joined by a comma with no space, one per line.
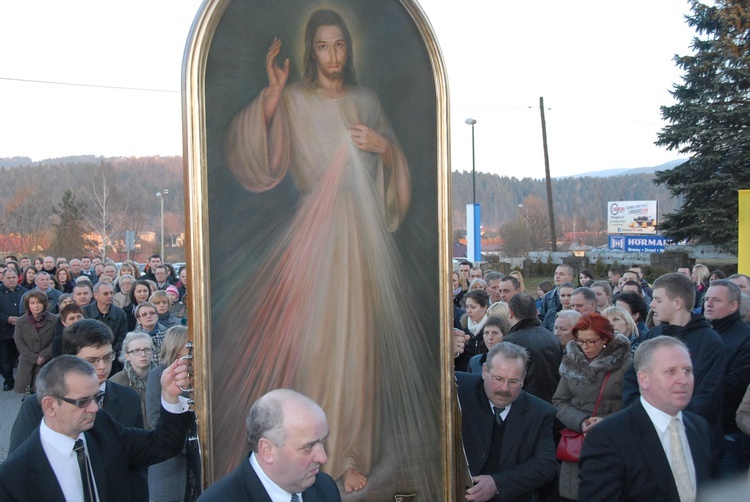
(33,336)
(137,351)
(472,323)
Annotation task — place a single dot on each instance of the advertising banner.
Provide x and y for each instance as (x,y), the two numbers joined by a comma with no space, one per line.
(631,217)
(637,243)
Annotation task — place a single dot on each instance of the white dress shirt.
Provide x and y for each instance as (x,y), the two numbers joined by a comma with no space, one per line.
(64,461)
(661,424)
(277,493)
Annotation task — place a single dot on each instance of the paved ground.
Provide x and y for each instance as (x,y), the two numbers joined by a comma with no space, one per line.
(10,402)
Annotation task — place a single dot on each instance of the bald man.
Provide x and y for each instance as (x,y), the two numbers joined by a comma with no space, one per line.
(286,431)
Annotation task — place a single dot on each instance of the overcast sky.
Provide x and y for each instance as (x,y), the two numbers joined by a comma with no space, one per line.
(603,68)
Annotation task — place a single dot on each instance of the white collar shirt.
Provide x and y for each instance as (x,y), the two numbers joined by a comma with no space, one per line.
(275,492)
(661,424)
(59,450)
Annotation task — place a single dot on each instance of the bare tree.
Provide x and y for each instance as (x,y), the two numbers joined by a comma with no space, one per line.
(27,218)
(529,230)
(107,209)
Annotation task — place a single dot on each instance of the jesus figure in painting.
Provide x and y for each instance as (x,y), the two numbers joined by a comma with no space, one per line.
(335,322)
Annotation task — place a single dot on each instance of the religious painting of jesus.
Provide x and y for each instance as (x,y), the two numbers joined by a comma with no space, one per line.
(325,221)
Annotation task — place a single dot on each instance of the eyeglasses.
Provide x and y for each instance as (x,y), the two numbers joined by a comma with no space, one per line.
(84,403)
(146,314)
(588,343)
(502,381)
(106,359)
(141,352)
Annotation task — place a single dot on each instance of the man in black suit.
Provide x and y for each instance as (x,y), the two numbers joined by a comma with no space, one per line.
(507,432)
(49,467)
(639,453)
(286,431)
(543,347)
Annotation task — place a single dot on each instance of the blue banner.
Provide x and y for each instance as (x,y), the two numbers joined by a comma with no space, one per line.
(637,243)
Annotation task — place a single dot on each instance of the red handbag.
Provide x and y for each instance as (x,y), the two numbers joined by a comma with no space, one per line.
(571,442)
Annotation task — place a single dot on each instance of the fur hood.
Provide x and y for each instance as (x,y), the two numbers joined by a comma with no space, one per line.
(575,366)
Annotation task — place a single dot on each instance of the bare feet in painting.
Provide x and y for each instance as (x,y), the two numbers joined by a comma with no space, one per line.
(354,480)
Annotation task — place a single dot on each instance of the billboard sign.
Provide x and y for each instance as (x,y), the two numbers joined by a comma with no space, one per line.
(638,243)
(631,217)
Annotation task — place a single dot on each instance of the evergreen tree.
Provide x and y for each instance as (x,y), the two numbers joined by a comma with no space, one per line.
(710,122)
(68,223)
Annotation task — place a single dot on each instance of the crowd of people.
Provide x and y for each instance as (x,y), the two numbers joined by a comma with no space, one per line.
(651,380)
(653,383)
(127,323)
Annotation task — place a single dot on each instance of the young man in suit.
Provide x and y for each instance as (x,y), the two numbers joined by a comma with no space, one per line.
(641,452)
(287,432)
(79,452)
(507,432)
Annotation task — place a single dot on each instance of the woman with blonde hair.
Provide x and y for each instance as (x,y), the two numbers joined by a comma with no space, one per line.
(499,309)
(460,288)
(623,323)
(161,300)
(518,275)
(700,278)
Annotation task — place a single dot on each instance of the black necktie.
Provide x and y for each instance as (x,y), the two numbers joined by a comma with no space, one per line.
(86,481)
(499,418)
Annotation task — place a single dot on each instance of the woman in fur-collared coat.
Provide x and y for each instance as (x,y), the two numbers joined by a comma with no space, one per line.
(594,352)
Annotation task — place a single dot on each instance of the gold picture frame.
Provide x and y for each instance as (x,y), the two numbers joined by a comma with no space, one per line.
(223,71)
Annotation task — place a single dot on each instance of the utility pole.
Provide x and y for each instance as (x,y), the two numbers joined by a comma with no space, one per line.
(550,208)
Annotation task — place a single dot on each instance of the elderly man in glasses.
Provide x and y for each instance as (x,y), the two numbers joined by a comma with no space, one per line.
(507,432)
(90,340)
(79,452)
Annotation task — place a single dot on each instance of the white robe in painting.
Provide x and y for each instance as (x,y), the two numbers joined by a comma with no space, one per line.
(337,322)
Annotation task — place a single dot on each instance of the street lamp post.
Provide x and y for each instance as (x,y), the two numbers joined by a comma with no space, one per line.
(470,121)
(161,196)
(473,210)
(528,233)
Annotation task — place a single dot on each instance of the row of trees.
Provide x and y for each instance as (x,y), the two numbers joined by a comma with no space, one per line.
(67,208)
(580,206)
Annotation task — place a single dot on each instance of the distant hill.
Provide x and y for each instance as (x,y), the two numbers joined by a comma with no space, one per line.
(10,162)
(625,171)
(139,177)
(15,161)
